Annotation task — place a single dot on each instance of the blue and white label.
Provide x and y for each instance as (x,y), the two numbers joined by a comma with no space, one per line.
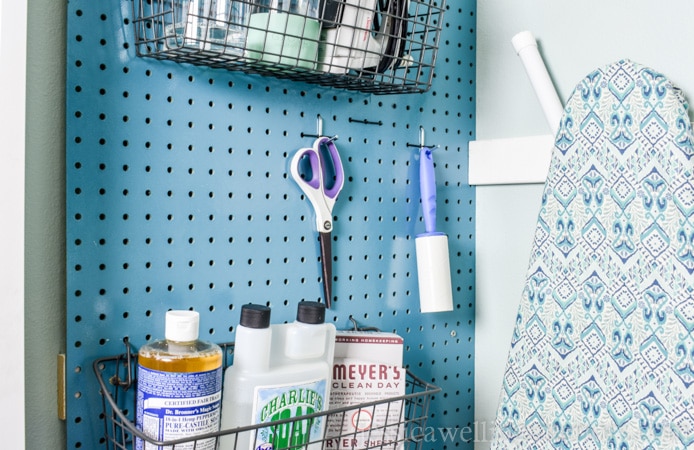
(172,405)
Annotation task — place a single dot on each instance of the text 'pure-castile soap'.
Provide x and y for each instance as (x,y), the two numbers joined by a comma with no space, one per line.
(280,371)
(179,385)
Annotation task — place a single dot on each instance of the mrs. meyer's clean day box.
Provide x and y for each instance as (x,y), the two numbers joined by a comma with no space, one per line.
(367,367)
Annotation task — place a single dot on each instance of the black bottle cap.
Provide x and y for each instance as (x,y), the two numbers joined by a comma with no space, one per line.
(255,316)
(311,312)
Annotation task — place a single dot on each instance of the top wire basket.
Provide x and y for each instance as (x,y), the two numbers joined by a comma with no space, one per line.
(374,46)
(403,429)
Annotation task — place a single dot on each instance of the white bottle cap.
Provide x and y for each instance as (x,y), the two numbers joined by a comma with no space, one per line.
(182,326)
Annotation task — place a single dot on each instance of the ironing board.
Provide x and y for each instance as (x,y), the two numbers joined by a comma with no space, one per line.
(602,352)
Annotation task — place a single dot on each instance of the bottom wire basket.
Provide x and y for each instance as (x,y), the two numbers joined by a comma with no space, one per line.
(403,428)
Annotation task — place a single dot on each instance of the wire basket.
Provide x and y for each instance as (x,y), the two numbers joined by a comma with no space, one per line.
(375,46)
(403,430)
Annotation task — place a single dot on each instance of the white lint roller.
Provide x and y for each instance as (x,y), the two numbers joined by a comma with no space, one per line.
(433,265)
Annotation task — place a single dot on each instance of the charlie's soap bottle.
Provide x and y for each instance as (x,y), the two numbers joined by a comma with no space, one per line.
(296,384)
(303,351)
(251,365)
(179,384)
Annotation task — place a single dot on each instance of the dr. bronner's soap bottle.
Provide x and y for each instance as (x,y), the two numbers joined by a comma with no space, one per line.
(179,384)
(297,383)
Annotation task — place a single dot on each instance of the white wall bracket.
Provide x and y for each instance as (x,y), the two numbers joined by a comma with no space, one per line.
(510,161)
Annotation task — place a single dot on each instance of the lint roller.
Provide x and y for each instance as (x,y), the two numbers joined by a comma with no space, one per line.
(433,265)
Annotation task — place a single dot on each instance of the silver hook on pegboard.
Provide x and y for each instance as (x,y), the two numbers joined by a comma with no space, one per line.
(422,141)
(319,130)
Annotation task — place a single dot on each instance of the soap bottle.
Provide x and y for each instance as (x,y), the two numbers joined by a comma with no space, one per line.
(179,384)
(303,351)
(251,364)
(286,374)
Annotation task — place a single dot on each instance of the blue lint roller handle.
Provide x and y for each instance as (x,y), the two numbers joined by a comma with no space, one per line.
(427,189)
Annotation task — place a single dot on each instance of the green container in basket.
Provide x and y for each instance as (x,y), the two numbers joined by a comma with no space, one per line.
(282,38)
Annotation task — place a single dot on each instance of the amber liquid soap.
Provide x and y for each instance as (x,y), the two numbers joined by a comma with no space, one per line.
(179,385)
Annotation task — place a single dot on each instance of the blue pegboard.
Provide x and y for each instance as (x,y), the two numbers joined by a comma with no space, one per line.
(178,197)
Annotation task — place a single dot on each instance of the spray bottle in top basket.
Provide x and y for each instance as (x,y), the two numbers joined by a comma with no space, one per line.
(280,371)
(179,384)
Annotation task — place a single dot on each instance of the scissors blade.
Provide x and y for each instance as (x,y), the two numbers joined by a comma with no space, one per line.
(327,263)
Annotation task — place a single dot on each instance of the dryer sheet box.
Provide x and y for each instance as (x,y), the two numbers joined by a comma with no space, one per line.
(367,367)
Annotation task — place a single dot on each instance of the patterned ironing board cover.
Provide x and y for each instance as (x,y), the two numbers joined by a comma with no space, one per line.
(602,353)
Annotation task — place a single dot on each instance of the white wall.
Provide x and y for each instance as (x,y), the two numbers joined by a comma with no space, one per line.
(574,37)
(12,88)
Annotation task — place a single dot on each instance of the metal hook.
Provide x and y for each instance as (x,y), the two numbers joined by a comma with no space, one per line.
(421,140)
(356,326)
(129,363)
(319,129)
(366,121)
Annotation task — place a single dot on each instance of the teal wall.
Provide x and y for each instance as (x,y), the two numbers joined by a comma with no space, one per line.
(45,220)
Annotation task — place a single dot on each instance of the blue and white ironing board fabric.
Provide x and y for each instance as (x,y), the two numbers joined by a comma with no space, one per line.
(602,354)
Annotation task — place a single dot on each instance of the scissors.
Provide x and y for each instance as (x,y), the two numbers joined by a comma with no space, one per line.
(321,186)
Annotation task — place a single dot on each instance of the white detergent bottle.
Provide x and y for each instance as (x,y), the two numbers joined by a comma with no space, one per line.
(296,383)
(303,351)
(251,364)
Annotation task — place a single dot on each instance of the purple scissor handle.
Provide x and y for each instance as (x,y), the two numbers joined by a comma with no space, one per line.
(321,185)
